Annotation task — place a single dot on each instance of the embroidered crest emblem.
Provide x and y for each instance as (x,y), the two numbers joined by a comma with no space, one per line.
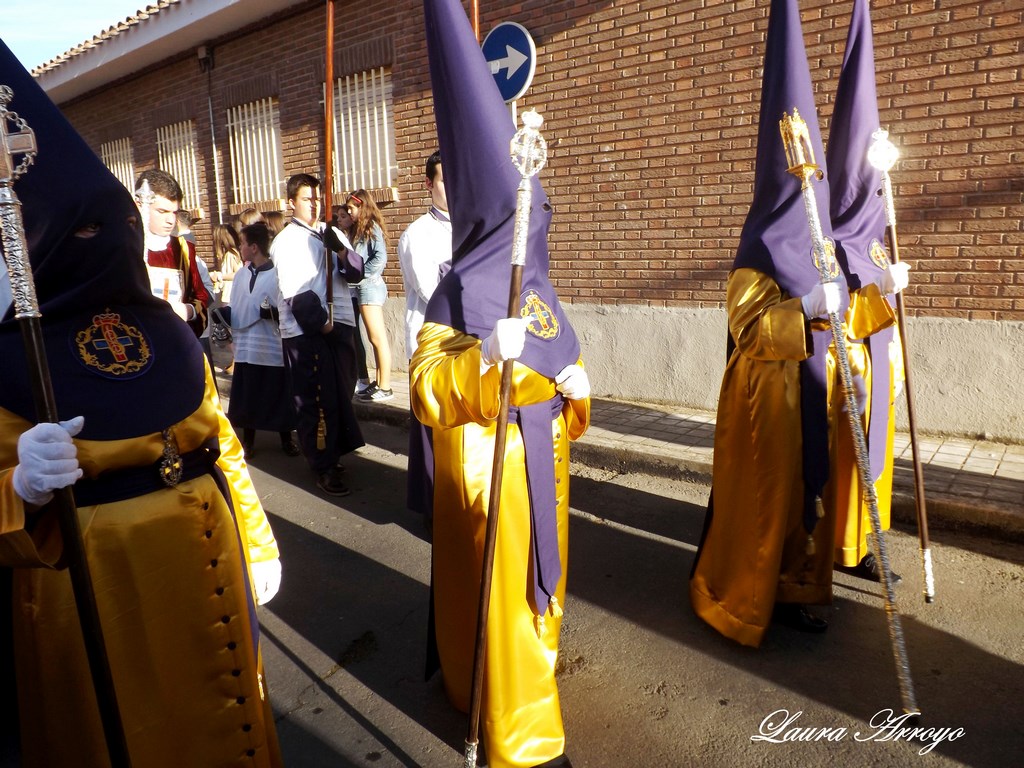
(830,259)
(879,255)
(542,321)
(112,347)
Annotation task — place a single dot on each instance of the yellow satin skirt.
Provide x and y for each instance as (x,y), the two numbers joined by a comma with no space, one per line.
(521,715)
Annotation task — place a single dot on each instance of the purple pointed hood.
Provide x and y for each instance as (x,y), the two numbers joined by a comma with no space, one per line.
(474,130)
(776,238)
(858,210)
(112,347)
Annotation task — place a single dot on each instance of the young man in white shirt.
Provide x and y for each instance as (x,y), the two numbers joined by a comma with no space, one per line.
(425,252)
(317,340)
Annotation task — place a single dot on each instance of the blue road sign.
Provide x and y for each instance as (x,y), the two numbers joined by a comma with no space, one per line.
(512,57)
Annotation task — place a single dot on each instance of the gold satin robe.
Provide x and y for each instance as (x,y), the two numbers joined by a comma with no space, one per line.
(853,517)
(755,551)
(169,571)
(521,717)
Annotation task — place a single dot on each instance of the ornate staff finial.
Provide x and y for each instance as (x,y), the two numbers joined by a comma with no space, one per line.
(796,138)
(799,149)
(21,141)
(529,153)
(882,155)
(528,149)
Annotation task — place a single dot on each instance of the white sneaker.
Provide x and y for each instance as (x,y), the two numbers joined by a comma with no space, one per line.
(361,386)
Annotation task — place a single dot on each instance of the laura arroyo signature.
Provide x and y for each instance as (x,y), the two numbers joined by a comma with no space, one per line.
(780,728)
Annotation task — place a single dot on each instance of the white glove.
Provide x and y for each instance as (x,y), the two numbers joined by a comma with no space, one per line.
(822,301)
(894,279)
(266,579)
(573,382)
(506,341)
(860,393)
(47,460)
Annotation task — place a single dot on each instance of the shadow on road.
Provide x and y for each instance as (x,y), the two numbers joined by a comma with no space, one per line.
(631,556)
(850,668)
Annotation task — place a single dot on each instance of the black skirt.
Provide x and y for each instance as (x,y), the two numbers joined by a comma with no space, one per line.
(261,398)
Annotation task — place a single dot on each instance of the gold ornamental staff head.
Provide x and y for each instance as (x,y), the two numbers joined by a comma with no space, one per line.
(799,151)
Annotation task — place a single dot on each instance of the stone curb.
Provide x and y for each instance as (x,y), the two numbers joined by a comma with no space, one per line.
(944,512)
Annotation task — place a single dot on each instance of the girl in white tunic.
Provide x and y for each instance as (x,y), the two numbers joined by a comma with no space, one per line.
(260,396)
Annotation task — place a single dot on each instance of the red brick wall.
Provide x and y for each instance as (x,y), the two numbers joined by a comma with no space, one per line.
(650,113)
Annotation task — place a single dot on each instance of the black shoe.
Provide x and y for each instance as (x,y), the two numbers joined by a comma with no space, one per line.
(367,394)
(562,761)
(799,618)
(331,484)
(869,569)
(290,448)
(377,395)
(248,450)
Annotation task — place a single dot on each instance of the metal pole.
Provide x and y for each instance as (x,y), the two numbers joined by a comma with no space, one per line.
(328,186)
(794,130)
(882,155)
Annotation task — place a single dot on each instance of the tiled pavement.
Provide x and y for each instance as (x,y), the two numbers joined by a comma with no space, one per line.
(974,484)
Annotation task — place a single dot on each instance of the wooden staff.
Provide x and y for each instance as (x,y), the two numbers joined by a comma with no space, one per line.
(26,306)
(328,186)
(529,153)
(476,19)
(796,138)
(882,155)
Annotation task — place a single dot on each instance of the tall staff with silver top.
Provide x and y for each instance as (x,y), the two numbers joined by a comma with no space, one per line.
(326,194)
(22,142)
(800,156)
(882,154)
(529,153)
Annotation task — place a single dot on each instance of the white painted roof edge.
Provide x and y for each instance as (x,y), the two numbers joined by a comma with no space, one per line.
(160,30)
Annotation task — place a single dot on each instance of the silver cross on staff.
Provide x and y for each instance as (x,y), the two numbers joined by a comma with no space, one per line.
(21,141)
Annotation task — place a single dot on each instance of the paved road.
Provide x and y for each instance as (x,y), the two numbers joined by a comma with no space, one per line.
(643,682)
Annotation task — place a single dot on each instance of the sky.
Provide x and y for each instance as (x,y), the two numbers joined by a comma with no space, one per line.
(38,30)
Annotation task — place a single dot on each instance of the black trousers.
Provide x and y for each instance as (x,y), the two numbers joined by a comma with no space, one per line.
(322,374)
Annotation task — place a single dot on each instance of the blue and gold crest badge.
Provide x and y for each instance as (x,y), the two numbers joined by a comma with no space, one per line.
(112,347)
(542,322)
(879,255)
(830,259)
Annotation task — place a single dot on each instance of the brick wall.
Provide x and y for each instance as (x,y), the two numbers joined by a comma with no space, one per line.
(650,113)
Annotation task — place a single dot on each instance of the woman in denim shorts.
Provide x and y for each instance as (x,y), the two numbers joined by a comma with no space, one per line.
(369,238)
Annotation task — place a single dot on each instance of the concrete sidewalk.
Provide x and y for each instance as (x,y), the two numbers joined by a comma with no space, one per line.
(971,484)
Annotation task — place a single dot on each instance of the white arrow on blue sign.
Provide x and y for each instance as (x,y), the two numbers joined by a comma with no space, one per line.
(512,57)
